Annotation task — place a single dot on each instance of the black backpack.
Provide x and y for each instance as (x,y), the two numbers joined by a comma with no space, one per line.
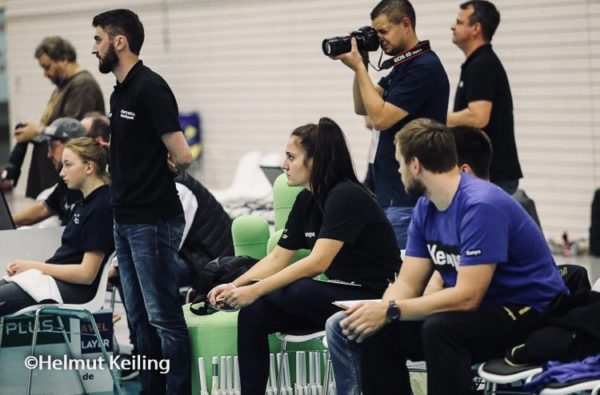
(207,275)
(222,270)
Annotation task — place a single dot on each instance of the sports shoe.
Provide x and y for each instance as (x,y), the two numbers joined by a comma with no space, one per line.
(126,371)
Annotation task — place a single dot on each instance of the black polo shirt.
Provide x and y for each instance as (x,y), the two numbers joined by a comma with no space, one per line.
(143,108)
(482,77)
(369,256)
(90,229)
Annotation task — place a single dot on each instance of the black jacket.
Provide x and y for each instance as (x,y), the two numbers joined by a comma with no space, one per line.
(210,234)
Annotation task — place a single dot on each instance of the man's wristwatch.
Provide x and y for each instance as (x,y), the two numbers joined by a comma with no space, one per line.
(393,312)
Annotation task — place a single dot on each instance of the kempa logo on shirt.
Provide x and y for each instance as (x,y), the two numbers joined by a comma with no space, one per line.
(127,114)
(473,253)
(76,218)
(310,235)
(441,255)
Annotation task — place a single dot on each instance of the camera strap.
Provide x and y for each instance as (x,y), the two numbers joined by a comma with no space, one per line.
(403,57)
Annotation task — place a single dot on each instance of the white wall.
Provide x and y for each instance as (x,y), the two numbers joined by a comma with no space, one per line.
(254,69)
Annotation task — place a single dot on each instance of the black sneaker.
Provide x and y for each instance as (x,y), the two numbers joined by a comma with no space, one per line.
(127,371)
(129,374)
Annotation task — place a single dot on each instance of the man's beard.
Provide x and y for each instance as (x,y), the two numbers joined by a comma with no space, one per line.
(108,63)
(415,189)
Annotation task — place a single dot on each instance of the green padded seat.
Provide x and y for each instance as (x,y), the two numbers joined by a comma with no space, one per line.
(284,197)
(250,236)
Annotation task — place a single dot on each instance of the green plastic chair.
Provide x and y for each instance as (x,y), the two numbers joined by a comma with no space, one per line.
(250,233)
(284,197)
(250,236)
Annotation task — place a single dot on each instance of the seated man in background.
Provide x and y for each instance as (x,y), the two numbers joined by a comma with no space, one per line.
(474,151)
(497,270)
(62,199)
(97,126)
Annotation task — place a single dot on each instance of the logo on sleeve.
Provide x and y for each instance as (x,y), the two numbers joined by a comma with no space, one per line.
(310,235)
(473,252)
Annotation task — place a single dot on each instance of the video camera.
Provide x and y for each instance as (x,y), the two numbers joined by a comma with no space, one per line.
(366,39)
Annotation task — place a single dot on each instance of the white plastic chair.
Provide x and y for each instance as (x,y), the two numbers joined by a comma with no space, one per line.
(271,159)
(249,183)
(296,338)
(79,311)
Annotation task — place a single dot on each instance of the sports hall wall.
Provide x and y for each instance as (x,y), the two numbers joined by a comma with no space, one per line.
(254,69)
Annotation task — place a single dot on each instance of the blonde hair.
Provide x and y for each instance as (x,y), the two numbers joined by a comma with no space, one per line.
(89,150)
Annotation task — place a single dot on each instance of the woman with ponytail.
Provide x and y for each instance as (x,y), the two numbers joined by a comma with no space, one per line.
(72,274)
(350,240)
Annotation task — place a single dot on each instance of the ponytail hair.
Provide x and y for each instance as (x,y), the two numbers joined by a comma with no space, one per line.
(325,144)
(89,150)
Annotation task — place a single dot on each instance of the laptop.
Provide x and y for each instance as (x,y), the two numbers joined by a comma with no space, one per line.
(271,172)
(6,220)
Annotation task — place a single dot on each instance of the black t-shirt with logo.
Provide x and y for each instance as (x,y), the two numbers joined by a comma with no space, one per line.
(369,256)
(143,109)
(90,229)
(62,201)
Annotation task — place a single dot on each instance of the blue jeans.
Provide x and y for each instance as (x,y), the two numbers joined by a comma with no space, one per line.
(147,255)
(345,357)
(400,218)
(508,186)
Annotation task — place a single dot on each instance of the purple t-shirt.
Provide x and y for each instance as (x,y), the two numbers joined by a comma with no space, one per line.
(483,225)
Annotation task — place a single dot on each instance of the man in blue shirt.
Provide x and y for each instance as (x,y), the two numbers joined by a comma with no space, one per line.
(498,275)
(417,87)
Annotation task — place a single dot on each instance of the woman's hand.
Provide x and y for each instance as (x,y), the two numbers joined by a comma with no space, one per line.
(240,297)
(16,267)
(215,296)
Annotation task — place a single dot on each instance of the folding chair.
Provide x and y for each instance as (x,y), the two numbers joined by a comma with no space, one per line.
(79,311)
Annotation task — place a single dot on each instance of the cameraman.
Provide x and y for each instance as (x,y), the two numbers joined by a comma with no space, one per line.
(417,87)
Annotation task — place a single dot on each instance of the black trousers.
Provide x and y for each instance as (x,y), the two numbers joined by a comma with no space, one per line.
(13,298)
(303,305)
(448,342)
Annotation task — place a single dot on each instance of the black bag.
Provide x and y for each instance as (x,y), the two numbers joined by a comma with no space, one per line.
(222,270)
(595,225)
(207,275)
